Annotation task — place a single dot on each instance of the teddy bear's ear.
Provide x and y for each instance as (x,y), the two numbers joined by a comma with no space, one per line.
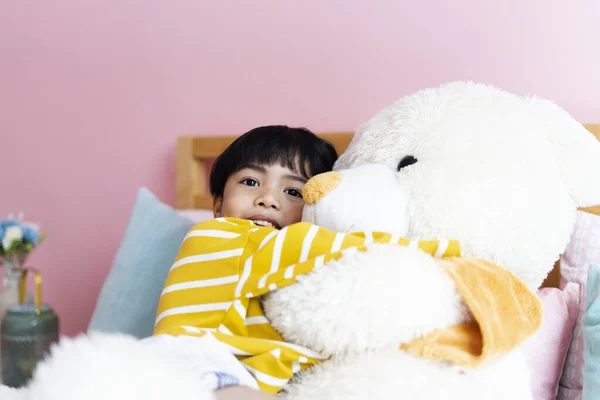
(578,152)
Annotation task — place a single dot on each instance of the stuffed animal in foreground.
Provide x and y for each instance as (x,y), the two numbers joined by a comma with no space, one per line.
(501,174)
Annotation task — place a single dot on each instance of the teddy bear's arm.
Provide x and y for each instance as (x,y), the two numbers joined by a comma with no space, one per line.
(382,297)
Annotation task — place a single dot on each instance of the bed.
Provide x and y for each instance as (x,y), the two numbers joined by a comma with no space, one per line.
(195,154)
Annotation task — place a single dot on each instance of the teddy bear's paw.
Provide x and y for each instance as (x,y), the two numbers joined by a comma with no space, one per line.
(366,300)
(394,374)
(112,367)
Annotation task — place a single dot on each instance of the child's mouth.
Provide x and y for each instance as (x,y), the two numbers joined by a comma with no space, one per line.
(262,220)
(263,223)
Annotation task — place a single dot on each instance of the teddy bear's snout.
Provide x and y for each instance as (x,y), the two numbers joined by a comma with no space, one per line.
(318,186)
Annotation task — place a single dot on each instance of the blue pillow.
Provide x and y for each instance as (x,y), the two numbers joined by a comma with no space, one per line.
(591,337)
(129,298)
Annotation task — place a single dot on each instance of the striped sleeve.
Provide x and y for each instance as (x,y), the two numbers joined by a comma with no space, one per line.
(295,249)
(227,259)
(299,248)
(201,283)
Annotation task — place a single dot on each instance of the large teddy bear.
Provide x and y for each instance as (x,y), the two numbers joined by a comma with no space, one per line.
(501,174)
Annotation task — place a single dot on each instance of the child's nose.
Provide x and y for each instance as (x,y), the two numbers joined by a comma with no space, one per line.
(267,200)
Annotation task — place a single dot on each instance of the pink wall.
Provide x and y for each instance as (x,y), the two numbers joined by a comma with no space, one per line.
(93,94)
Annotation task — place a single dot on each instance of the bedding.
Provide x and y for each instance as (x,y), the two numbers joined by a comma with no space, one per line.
(547,350)
(591,337)
(129,297)
(582,251)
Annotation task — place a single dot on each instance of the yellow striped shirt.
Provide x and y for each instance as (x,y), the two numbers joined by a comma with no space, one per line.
(224,265)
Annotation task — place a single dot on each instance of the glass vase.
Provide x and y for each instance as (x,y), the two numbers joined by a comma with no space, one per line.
(9,291)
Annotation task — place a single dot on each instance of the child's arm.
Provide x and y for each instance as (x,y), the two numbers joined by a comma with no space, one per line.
(206,293)
(226,260)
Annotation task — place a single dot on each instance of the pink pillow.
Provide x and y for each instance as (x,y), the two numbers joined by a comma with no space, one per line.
(583,250)
(546,352)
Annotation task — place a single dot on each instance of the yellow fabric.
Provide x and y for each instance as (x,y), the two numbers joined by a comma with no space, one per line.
(505,313)
(225,264)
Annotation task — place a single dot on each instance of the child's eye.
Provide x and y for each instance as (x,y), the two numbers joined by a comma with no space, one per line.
(293,192)
(249,182)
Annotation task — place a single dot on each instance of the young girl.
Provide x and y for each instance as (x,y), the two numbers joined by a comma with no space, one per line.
(210,310)
(258,179)
(260,176)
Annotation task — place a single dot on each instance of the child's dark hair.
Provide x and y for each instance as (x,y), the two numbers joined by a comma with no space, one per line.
(295,148)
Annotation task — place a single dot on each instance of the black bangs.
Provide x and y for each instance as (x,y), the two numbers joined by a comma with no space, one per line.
(298,149)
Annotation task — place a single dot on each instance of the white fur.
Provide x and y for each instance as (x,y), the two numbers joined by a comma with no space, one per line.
(372,300)
(338,210)
(7,393)
(502,173)
(577,151)
(111,367)
(392,374)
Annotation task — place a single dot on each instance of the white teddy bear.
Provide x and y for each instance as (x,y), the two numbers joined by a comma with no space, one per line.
(502,174)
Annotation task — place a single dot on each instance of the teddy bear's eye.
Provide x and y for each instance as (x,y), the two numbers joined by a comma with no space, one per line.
(406,161)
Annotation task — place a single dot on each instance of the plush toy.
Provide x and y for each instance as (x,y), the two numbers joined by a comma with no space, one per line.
(501,174)
(109,366)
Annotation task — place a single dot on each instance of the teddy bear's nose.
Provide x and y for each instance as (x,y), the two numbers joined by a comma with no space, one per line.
(318,186)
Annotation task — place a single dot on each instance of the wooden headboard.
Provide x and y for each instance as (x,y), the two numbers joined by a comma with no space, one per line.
(196,153)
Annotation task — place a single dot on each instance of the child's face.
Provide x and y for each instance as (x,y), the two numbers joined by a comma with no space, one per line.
(268,195)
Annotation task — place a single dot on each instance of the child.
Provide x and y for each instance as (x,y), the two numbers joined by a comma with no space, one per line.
(261,175)
(258,178)
(210,310)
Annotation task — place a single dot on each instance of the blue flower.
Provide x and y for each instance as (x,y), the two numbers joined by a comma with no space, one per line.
(30,235)
(8,222)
